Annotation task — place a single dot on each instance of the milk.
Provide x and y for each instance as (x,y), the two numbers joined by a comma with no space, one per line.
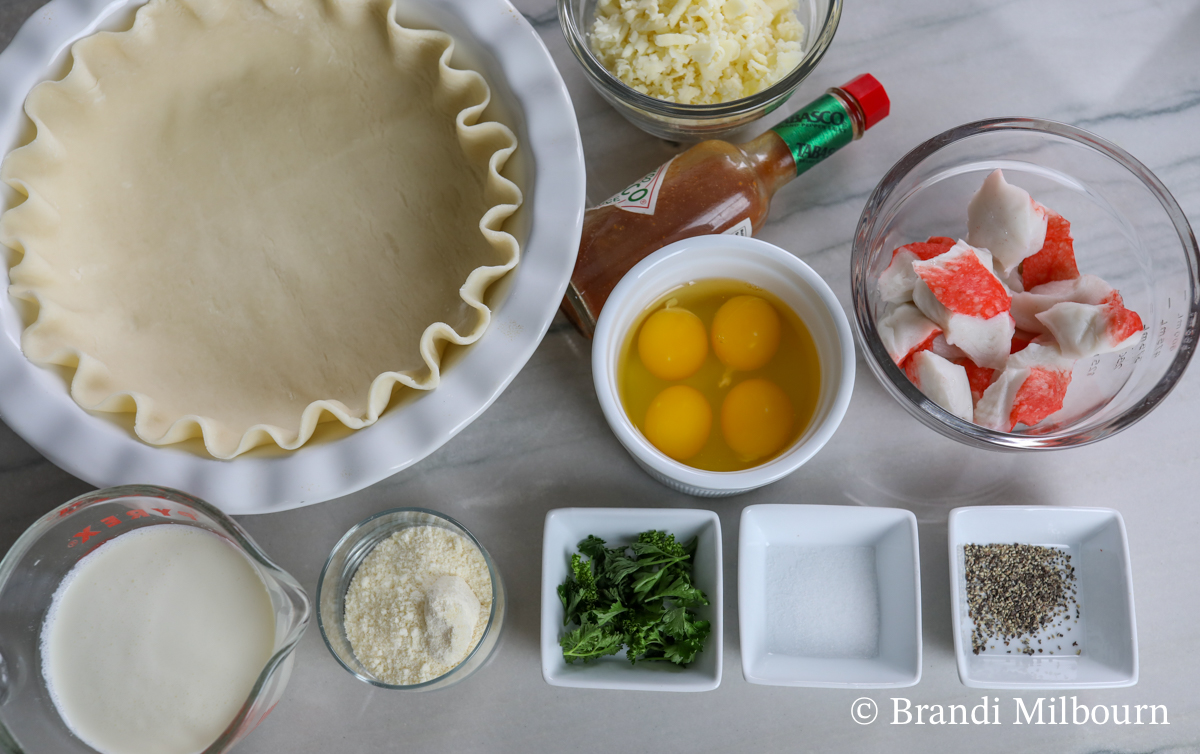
(154,641)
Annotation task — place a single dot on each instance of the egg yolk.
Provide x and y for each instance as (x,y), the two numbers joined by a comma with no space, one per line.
(745,333)
(756,419)
(672,343)
(678,422)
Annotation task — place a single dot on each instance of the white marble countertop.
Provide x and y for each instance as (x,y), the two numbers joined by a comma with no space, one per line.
(1126,69)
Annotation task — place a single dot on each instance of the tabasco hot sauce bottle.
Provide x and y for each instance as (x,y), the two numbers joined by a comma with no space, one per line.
(714,187)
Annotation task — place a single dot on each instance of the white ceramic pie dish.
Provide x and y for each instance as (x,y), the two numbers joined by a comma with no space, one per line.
(528,94)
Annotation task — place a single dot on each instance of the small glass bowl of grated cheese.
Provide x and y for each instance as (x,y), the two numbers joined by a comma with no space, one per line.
(409,599)
(687,70)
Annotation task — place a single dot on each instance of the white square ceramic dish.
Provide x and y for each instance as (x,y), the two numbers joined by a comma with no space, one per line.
(866,559)
(564,529)
(1106,632)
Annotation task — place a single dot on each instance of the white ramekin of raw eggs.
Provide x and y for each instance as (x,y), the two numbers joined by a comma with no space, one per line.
(751,267)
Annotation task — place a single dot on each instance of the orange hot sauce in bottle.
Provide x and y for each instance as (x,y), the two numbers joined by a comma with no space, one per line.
(714,187)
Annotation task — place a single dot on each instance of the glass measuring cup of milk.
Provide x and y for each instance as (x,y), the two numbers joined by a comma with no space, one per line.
(32,570)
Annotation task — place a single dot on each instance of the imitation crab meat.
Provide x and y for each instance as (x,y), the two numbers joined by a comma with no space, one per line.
(1083,330)
(897,281)
(1055,260)
(904,329)
(1032,386)
(943,382)
(1005,220)
(996,322)
(1085,289)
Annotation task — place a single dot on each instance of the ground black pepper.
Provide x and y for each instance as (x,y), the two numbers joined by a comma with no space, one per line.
(1014,591)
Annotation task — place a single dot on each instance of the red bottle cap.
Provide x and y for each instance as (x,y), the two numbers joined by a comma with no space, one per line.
(871,97)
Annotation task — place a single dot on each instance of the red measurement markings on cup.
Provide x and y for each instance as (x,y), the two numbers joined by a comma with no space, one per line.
(70,509)
(135,513)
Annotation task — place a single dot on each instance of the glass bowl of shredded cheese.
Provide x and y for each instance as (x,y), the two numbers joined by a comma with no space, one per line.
(409,599)
(687,70)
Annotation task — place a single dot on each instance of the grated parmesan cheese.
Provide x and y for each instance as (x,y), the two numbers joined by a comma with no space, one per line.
(698,52)
(387,622)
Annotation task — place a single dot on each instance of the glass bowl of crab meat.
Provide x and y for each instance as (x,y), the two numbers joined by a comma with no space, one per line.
(1022,284)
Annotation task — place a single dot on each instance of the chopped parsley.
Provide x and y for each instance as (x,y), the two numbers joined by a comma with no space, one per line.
(637,598)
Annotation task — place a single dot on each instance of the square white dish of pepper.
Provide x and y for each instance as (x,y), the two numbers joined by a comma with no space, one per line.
(1042,598)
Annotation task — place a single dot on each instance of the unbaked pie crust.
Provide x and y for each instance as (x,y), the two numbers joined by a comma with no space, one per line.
(245,217)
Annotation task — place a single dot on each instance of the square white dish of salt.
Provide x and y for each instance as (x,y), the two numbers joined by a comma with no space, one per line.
(829,596)
(1042,598)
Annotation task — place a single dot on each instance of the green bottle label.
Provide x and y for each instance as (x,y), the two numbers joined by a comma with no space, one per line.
(817,131)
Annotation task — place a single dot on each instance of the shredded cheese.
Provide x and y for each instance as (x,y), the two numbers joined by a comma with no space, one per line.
(698,52)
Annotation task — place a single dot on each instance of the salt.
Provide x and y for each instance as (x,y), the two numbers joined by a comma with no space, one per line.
(822,601)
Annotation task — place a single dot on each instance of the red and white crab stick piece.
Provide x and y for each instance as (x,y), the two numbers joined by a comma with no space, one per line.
(942,382)
(1085,289)
(896,282)
(960,292)
(1056,259)
(1005,220)
(1083,330)
(1031,387)
(904,330)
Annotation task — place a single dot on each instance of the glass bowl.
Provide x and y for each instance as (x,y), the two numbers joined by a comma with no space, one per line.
(47,551)
(676,122)
(349,553)
(1128,230)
